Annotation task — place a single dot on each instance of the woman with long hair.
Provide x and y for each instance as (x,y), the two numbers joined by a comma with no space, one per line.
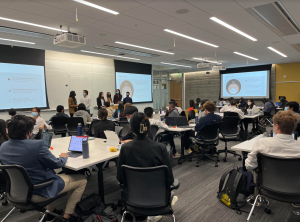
(3,132)
(108,98)
(72,103)
(100,100)
(117,97)
(192,105)
(121,109)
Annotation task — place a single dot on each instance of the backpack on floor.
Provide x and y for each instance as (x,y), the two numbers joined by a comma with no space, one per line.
(243,135)
(235,191)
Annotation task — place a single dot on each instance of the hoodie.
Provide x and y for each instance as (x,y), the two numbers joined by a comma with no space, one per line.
(84,114)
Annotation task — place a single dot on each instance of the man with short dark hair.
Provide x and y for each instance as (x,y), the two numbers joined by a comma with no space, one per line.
(127,99)
(12,112)
(110,111)
(293,106)
(128,112)
(60,113)
(86,100)
(103,125)
(172,110)
(40,163)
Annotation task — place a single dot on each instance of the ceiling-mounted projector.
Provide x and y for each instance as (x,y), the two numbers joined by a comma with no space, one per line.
(203,65)
(217,68)
(69,40)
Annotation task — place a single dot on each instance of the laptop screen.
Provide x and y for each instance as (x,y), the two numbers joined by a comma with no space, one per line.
(181,121)
(76,143)
(47,137)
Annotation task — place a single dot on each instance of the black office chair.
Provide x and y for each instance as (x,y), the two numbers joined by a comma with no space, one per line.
(277,180)
(59,125)
(3,195)
(118,130)
(73,124)
(229,130)
(191,115)
(146,191)
(209,136)
(267,118)
(92,127)
(298,129)
(153,131)
(126,127)
(123,119)
(182,113)
(20,189)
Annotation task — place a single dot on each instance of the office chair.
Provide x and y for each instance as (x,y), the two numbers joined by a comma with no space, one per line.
(20,189)
(59,125)
(277,181)
(191,115)
(267,116)
(3,195)
(73,124)
(229,130)
(123,119)
(146,191)
(118,130)
(92,127)
(209,136)
(126,127)
(153,131)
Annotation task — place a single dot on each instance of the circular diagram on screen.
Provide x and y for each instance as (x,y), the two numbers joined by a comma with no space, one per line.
(126,86)
(233,86)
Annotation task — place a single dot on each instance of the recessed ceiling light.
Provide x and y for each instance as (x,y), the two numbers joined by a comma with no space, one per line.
(245,55)
(232,28)
(98,53)
(175,64)
(182,11)
(205,60)
(32,24)
(12,40)
(96,6)
(191,38)
(141,47)
(274,50)
(101,35)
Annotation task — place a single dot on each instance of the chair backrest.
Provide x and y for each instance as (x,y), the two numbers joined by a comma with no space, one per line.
(92,127)
(298,129)
(279,174)
(230,125)
(230,114)
(59,123)
(118,130)
(272,111)
(191,115)
(182,113)
(73,123)
(126,127)
(123,119)
(19,185)
(210,134)
(146,187)
(153,130)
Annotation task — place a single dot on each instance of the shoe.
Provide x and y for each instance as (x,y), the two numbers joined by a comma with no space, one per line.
(176,155)
(154,219)
(174,200)
(51,218)
(187,152)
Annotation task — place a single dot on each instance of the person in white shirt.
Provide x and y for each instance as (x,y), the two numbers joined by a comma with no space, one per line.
(86,100)
(40,123)
(250,106)
(226,105)
(179,109)
(155,122)
(232,108)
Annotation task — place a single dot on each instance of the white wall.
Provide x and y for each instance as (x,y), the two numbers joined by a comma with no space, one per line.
(66,72)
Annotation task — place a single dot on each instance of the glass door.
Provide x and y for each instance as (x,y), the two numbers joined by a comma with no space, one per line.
(160,90)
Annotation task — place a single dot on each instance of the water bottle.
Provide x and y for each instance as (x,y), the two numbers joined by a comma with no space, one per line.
(196,118)
(79,129)
(118,114)
(160,111)
(85,149)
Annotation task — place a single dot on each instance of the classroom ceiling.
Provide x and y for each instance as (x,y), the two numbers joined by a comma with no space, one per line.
(142,23)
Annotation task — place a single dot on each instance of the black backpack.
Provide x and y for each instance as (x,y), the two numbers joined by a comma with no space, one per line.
(236,189)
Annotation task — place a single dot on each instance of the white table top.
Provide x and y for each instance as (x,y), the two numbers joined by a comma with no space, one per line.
(99,152)
(260,107)
(219,106)
(247,145)
(179,129)
(246,116)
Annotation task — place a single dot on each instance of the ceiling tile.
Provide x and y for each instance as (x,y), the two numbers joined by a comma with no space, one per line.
(293,8)
(292,39)
(8,3)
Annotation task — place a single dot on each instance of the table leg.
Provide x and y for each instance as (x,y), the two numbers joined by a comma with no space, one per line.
(100,181)
(182,158)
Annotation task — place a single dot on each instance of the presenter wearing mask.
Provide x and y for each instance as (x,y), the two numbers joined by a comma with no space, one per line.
(72,103)
(40,123)
(108,98)
(127,99)
(117,97)
(86,100)
(100,100)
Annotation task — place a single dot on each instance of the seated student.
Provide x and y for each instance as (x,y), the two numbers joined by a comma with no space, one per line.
(192,106)
(283,103)
(143,152)
(222,102)
(110,110)
(242,103)
(40,123)
(172,112)
(103,125)
(282,145)
(201,111)
(127,105)
(121,109)
(12,112)
(179,109)
(166,137)
(267,105)
(226,105)
(293,106)
(60,113)
(232,108)
(83,113)
(129,111)
(3,132)
(198,101)
(40,167)
(250,106)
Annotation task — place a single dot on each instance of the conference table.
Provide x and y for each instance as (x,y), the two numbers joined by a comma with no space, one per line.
(99,154)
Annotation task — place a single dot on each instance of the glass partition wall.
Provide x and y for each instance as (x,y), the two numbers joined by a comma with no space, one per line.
(161,92)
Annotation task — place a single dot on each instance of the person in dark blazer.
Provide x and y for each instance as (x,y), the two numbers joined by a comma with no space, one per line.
(40,163)
(127,99)
(100,100)
(117,97)
(103,125)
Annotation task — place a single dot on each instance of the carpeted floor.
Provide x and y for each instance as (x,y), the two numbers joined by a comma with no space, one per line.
(197,195)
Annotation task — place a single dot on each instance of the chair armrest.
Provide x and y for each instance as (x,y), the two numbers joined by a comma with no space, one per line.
(38,186)
(175,185)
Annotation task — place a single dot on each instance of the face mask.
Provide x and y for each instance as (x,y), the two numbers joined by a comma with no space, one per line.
(83,94)
(34,114)
(227,104)
(128,120)
(108,95)
(117,92)
(127,95)
(285,108)
(249,103)
(75,95)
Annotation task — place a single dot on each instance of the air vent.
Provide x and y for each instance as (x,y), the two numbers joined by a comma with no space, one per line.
(21,32)
(126,51)
(189,62)
(276,17)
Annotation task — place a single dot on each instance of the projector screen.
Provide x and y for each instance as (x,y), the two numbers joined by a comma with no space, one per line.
(139,86)
(22,86)
(250,85)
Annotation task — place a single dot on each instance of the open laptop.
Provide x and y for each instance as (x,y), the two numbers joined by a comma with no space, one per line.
(47,137)
(182,122)
(156,116)
(75,146)
(170,121)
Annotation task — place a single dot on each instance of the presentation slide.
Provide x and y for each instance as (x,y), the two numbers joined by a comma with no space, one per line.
(22,86)
(139,86)
(247,84)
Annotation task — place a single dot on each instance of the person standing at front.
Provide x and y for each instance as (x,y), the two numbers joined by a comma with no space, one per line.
(86,100)
(127,99)
(72,103)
